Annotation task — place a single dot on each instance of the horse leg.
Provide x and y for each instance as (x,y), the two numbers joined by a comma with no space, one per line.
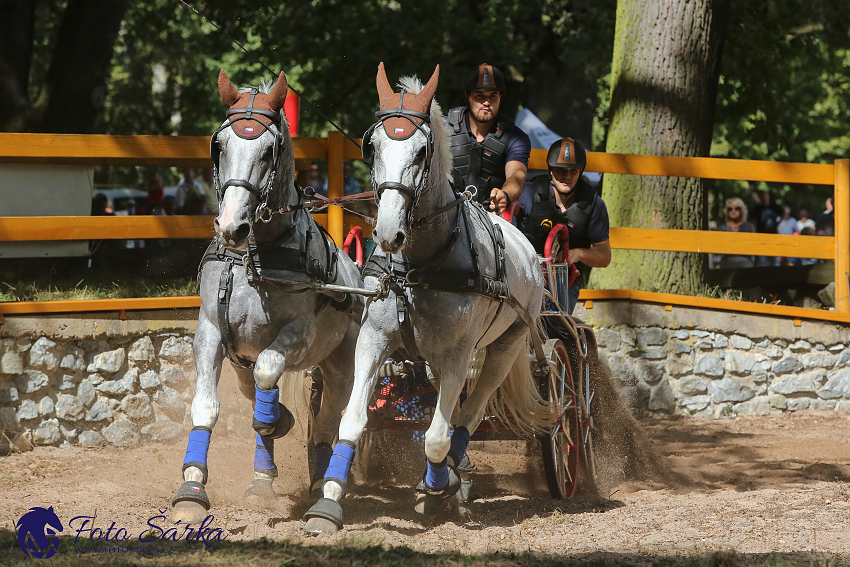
(337,370)
(444,450)
(272,419)
(265,470)
(191,502)
(372,349)
(500,357)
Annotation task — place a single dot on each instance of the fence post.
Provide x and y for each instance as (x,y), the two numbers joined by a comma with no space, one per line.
(841,206)
(335,183)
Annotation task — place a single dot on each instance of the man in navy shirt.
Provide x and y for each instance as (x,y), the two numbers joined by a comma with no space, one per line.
(490,153)
(564,197)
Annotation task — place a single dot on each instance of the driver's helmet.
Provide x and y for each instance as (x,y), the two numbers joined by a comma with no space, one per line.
(484,77)
(567,153)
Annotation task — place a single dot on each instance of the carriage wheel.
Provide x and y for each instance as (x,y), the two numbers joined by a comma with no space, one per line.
(562,447)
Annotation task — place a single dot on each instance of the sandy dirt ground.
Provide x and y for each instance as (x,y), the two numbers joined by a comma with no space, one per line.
(759,485)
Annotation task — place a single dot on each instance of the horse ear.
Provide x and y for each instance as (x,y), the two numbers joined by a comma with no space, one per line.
(278,95)
(385,91)
(229,94)
(427,93)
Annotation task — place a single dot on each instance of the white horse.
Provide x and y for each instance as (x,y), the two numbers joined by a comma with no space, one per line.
(454,269)
(265,298)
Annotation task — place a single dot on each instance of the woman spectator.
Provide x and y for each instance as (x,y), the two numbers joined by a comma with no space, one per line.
(736,212)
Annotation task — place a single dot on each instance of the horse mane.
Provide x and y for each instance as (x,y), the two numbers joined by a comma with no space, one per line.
(413,85)
(265,87)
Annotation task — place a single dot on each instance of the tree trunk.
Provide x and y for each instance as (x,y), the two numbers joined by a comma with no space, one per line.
(15,59)
(663,89)
(76,82)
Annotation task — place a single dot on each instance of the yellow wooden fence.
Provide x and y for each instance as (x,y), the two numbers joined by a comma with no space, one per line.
(193,151)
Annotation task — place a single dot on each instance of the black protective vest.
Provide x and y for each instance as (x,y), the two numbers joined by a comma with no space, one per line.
(545,213)
(481,164)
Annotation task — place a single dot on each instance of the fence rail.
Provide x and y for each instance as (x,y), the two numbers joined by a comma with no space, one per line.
(193,151)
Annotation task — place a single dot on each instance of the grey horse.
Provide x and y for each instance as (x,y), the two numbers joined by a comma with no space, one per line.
(441,302)
(265,299)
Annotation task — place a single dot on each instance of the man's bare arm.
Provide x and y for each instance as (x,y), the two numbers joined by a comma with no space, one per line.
(597,256)
(515,173)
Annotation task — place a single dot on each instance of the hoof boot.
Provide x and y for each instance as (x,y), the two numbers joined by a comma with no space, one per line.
(190,503)
(325,517)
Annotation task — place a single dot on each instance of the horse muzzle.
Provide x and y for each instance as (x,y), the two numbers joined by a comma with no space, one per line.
(235,235)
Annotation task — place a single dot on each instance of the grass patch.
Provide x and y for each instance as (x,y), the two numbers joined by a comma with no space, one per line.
(354,552)
(95,284)
(715,292)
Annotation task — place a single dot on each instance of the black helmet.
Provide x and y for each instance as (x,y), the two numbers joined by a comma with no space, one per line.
(484,77)
(567,153)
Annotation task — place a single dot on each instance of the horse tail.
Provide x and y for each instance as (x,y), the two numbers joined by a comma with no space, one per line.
(517,403)
(295,395)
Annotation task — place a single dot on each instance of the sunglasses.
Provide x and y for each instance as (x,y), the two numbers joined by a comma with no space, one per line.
(733,208)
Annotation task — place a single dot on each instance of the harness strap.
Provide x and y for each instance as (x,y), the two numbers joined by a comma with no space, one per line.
(225,288)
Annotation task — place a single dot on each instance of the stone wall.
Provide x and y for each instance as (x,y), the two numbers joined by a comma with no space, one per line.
(93,381)
(706,363)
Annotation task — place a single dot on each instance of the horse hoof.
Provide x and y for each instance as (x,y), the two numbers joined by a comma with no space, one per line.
(190,503)
(278,429)
(316,526)
(188,512)
(325,517)
(261,489)
(428,505)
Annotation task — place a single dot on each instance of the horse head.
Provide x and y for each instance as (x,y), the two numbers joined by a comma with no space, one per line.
(399,148)
(246,152)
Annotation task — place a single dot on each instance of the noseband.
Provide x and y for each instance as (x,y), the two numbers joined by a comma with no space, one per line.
(215,154)
(368,151)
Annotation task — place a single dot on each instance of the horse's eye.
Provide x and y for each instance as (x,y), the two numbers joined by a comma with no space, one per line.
(420,155)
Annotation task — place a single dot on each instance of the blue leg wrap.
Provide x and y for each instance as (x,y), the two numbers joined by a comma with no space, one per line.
(460,441)
(199,444)
(264,455)
(196,451)
(266,408)
(340,462)
(437,475)
(322,455)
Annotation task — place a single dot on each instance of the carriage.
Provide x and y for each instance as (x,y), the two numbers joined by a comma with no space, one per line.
(405,395)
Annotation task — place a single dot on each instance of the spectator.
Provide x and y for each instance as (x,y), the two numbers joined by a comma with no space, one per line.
(736,212)
(349,183)
(188,188)
(787,224)
(315,182)
(207,184)
(764,219)
(804,221)
(169,205)
(155,191)
(807,231)
(196,204)
(100,206)
(825,223)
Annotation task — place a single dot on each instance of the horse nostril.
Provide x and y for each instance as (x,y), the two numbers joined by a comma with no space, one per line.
(217,226)
(399,238)
(238,233)
(241,233)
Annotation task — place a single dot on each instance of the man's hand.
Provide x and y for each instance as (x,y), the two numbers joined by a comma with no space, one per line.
(498,201)
(597,256)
